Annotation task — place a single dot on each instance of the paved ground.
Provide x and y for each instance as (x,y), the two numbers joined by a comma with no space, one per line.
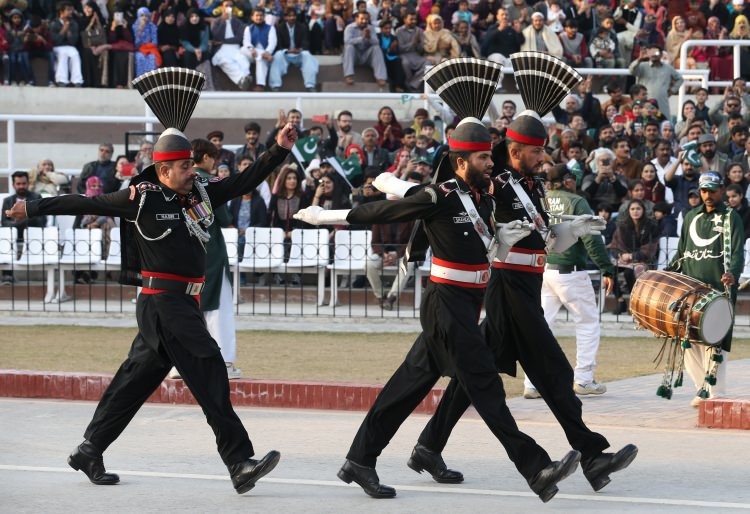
(167,461)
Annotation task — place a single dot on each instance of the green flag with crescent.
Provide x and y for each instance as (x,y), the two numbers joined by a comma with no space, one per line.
(305,149)
(349,169)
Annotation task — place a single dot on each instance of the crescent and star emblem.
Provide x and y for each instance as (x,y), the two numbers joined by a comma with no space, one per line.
(698,240)
(310,149)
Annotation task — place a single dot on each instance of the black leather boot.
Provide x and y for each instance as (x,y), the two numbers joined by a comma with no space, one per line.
(87,458)
(244,474)
(597,470)
(367,478)
(424,459)
(545,482)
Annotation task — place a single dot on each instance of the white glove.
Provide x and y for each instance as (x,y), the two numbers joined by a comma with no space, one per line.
(587,225)
(317,215)
(508,234)
(388,183)
(562,236)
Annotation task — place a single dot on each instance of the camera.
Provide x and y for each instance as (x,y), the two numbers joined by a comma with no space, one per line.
(606,162)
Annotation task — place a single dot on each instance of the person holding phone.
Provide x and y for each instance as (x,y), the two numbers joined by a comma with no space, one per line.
(660,78)
(603,186)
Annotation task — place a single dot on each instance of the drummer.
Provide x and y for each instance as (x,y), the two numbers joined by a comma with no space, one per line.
(711,249)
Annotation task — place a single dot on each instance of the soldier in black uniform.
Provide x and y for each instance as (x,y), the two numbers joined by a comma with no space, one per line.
(457,219)
(165,214)
(515,327)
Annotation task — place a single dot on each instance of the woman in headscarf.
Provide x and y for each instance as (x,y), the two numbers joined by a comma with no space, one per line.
(741,30)
(168,38)
(147,56)
(194,35)
(439,44)
(466,41)
(676,37)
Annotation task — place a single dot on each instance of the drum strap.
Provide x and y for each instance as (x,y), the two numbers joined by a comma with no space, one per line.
(727,239)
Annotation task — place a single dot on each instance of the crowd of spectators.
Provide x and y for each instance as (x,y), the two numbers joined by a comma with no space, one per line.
(105,43)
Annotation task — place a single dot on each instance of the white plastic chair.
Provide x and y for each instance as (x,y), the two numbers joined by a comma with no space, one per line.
(81,249)
(308,254)
(40,251)
(349,256)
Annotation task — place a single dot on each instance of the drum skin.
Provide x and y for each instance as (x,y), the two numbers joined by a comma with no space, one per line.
(662,302)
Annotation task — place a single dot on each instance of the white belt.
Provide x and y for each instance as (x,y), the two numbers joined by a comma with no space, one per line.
(460,275)
(535,260)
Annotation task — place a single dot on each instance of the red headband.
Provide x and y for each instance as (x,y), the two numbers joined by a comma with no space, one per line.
(527,140)
(173,156)
(469,146)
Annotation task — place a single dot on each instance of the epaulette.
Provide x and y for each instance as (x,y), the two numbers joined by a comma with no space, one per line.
(142,187)
(503,178)
(448,187)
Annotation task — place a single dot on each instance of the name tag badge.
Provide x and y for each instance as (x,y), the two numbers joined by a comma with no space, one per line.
(167,216)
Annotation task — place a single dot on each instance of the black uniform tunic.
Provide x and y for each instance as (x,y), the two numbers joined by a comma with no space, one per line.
(451,342)
(172,330)
(515,330)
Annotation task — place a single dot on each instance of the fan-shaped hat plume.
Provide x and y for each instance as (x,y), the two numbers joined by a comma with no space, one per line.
(542,80)
(171,93)
(466,84)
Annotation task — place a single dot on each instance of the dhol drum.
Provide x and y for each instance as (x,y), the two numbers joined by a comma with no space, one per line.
(670,304)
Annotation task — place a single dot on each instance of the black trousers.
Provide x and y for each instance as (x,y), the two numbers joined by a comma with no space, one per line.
(172,332)
(515,329)
(450,339)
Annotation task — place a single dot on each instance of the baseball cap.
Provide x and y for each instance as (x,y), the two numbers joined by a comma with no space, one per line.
(706,138)
(710,180)
(619,118)
(422,160)
(693,192)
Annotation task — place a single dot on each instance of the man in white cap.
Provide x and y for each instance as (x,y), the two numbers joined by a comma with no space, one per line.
(539,37)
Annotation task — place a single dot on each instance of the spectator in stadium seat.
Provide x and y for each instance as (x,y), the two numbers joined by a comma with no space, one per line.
(258,45)
(65,34)
(120,39)
(575,49)
(194,37)
(22,194)
(389,129)
(338,13)
(43,179)
(168,38)
(361,47)
(104,168)
(410,40)
(439,43)
(147,56)
(252,147)
(293,48)
(227,33)
(538,37)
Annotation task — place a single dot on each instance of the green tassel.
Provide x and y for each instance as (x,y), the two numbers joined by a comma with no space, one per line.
(711,379)
(717,357)
(686,344)
(661,391)
(669,394)
(678,381)
(703,393)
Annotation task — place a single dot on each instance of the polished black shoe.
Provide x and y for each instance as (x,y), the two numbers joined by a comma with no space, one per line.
(424,459)
(244,474)
(87,458)
(545,482)
(597,470)
(367,478)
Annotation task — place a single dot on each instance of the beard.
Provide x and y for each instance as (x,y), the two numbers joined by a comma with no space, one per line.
(709,154)
(477,178)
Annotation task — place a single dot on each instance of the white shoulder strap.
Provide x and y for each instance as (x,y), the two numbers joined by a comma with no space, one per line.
(479,225)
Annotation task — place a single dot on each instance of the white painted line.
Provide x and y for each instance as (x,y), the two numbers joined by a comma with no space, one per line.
(457,490)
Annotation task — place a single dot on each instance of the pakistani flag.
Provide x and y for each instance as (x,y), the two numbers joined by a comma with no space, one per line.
(348,168)
(305,149)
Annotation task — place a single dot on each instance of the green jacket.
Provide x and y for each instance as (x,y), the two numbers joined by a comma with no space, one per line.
(216,254)
(561,201)
(700,252)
